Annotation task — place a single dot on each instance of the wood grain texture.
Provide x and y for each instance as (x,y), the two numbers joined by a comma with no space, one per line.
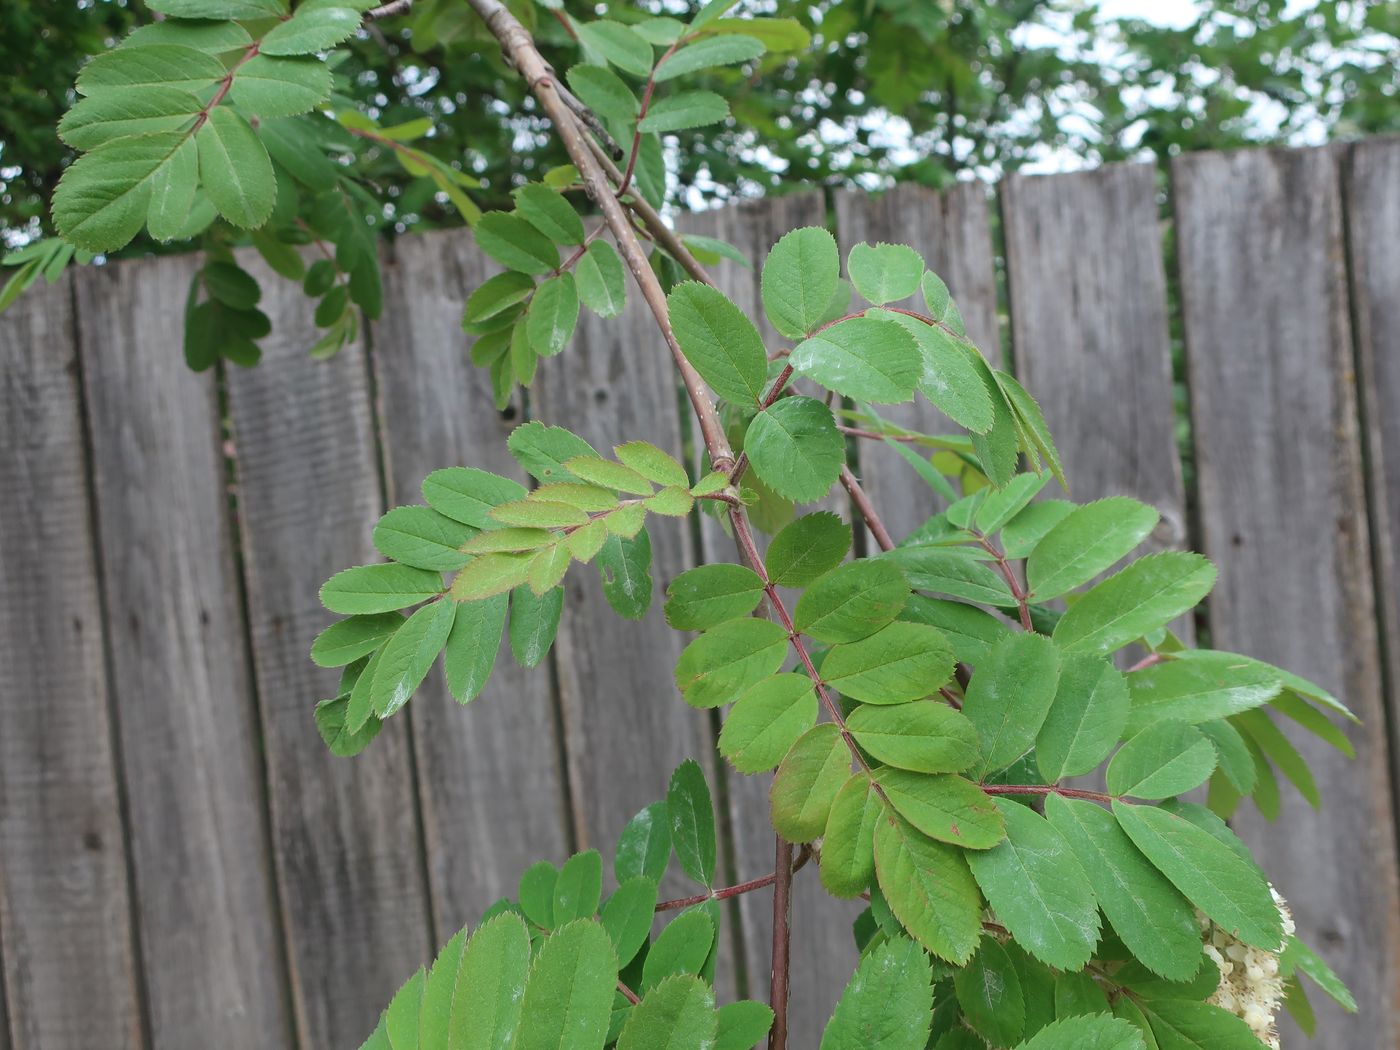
(1373,241)
(346,836)
(1090,333)
(181,692)
(823,949)
(494,765)
(69,965)
(1274,406)
(952,231)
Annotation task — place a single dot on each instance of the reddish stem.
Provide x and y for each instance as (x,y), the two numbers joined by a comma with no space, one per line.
(1045,789)
(867,510)
(725,892)
(782,943)
(631,995)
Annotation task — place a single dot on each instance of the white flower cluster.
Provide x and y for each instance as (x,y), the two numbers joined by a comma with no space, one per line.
(1251,987)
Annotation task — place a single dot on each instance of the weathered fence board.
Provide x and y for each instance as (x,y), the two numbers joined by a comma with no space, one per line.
(1282,512)
(345,833)
(69,967)
(208,928)
(951,231)
(491,772)
(1373,239)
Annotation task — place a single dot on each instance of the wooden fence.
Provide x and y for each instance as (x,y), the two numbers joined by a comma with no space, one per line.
(183,864)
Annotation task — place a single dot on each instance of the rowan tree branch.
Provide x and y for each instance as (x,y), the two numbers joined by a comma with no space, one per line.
(396,7)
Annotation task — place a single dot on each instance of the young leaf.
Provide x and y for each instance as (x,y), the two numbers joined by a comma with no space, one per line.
(680,949)
(408,656)
(796,449)
(423,538)
(848,843)
(923,738)
(1088,541)
(1148,914)
(944,807)
(489,575)
(553,315)
(884,273)
(579,887)
(624,566)
(1207,871)
(767,720)
(852,602)
(332,722)
(652,463)
(807,782)
(568,998)
(692,817)
(644,847)
(888,1004)
(491,981)
(719,341)
(347,640)
(898,663)
(627,917)
(1146,595)
(1098,1032)
(690,109)
(601,281)
(379,588)
(620,45)
(807,549)
(861,357)
(800,278)
(989,992)
(1169,758)
(515,244)
(677,1014)
(1010,697)
(234,169)
(1085,720)
(710,595)
(472,645)
(1199,686)
(534,620)
(929,889)
(1031,423)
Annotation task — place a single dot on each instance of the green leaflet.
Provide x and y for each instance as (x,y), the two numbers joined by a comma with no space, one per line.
(948,376)
(852,602)
(719,341)
(848,844)
(104,197)
(1085,543)
(379,588)
(710,595)
(1010,696)
(681,948)
(898,663)
(619,45)
(310,30)
(998,447)
(709,52)
(467,495)
(601,280)
(971,631)
(1233,758)
(796,449)
(547,211)
(677,1014)
(152,65)
(767,720)
(692,822)
(888,1004)
(807,549)
(989,992)
(347,640)
(1098,1032)
(332,722)
(604,92)
(1032,433)
(1299,956)
(999,506)
(401,1017)
(727,659)
(1269,739)
(644,847)
(807,782)
(884,273)
(234,169)
(491,980)
(579,887)
(627,916)
(1038,890)
(1165,759)
(408,656)
(652,463)
(568,999)
(1023,533)
(742,1025)
(800,278)
(281,87)
(536,893)
(1085,720)
(553,315)
(1199,686)
(1076,994)
(1179,1024)
(944,807)
(689,109)
(489,575)
(435,1011)
(118,112)
(1148,914)
(423,538)
(923,738)
(472,645)
(952,572)
(1207,871)
(1146,595)
(861,357)
(515,244)
(929,889)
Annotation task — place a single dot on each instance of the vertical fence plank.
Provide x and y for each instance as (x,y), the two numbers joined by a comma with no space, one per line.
(1089,331)
(491,785)
(345,831)
(1282,513)
(1373,228)
(951,230)
(823,949)
(65,914)
(184,709)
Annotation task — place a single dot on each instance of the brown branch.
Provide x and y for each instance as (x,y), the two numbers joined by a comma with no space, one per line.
(725,892)
(782,944)
(396,7)
(1009,575)
(866,509)
(1045,789)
